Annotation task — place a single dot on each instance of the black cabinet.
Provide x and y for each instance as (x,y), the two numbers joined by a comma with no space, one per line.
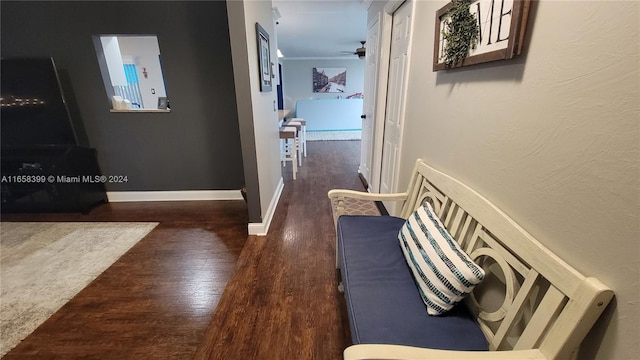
(51,179)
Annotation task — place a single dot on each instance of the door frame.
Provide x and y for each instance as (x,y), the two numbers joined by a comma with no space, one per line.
(384,54)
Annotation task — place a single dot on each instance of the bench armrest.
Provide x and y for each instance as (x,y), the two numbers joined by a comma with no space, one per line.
(400,352)
(351,202)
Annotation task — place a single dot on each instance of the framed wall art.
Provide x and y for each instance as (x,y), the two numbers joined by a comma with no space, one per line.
(264,58)
(329,80)
(163,103)
(501,28)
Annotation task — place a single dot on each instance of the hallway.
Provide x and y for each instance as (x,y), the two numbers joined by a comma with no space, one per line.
(282,302)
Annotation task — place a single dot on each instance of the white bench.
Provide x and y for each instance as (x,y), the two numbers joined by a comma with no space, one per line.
(547,308)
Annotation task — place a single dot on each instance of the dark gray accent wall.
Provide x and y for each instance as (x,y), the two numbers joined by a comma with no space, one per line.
(194,147)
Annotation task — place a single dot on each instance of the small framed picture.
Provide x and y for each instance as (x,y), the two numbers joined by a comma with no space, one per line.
(264,58)
(162,103)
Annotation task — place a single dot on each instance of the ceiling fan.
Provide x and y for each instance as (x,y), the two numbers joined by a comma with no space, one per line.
(359,51)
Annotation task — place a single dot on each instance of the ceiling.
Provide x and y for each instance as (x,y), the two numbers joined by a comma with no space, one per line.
(315,29)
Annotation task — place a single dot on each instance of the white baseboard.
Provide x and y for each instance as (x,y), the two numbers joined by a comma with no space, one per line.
(186,195)
(261,229)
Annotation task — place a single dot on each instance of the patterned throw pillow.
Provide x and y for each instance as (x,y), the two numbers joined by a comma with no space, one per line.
(444,273)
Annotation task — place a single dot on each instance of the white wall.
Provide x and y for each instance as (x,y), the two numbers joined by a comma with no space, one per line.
(113,58)
(552,138)
(297,81)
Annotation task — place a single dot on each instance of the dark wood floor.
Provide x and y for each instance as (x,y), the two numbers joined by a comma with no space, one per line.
(158,300)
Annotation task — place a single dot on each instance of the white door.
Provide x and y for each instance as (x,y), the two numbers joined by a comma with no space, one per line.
(396,89)
(370,95)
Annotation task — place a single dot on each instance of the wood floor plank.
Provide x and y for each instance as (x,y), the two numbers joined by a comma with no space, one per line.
(157,301)
(154,302)
(282,302)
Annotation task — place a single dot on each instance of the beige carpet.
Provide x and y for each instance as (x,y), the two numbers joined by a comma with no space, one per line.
(44,265)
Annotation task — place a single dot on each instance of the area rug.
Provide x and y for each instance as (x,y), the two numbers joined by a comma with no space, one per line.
(334,135)
(44,265)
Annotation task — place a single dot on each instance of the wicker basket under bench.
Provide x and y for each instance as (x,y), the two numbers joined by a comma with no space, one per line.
(547,306)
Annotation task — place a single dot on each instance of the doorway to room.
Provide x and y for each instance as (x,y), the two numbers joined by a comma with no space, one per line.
(322,70)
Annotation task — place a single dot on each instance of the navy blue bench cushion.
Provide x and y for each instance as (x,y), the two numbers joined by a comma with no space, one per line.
(382,299)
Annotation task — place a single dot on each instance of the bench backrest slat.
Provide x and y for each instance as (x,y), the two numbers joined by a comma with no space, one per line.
(582,310)
(512,318)
(546,303)
(550,307)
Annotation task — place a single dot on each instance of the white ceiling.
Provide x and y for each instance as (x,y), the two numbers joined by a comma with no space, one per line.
(320,28)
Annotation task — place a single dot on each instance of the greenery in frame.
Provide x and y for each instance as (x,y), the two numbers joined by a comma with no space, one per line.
(460,33)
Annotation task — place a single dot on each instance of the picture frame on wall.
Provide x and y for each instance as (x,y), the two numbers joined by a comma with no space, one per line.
(502,27)
(264,58)
(329,80)
(163,103)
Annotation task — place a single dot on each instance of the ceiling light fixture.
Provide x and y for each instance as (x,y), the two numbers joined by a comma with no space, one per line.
(361,51)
